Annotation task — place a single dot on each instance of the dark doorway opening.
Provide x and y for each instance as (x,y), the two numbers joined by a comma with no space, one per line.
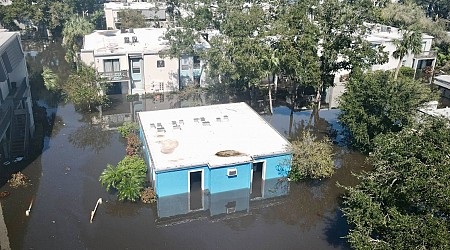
(256,189)
(195,190)
(114,89)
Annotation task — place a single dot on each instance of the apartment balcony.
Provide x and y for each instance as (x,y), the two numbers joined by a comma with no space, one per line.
(426,55)
(116,76)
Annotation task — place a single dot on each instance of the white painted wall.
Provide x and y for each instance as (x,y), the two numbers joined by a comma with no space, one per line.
(153,75)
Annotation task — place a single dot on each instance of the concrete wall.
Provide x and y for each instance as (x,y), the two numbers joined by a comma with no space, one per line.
(220,182)
(176,182)
(275,166)
(153,76)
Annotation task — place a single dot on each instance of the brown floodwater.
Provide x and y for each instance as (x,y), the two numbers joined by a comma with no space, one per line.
(65,188)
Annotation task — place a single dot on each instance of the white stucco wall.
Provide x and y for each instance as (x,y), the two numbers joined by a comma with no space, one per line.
(154,75)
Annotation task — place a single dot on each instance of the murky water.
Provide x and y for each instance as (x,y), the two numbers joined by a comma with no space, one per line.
(65,188)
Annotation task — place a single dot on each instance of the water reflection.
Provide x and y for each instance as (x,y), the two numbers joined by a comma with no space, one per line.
(178,209)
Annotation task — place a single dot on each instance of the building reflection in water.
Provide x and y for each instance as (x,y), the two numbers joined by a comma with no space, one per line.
(198,205)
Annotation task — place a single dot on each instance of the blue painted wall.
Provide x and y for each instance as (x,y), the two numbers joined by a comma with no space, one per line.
(276,166)
(176,182)
(220,182)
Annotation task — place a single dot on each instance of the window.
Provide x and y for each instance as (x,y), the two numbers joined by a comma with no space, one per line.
(136,66)
(6,62)
(111,65)
(196,62)
(160,64)
(161,86)
(403,63)
(185,63)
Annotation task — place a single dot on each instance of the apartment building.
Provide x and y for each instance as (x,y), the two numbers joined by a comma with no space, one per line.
(16,116)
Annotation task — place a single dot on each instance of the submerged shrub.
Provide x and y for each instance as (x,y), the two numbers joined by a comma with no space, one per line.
(311,158)
(18,180)
(148,195)
(128,178)
(128,128)
(133,144)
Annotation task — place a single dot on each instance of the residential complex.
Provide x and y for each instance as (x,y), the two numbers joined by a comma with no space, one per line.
(16,116)
(152,11)
(130,59)
(382,35)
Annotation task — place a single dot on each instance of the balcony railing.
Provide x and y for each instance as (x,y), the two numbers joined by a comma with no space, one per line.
(115,76)
(426,55)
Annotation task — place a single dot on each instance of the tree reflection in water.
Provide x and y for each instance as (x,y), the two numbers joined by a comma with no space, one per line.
(91,135)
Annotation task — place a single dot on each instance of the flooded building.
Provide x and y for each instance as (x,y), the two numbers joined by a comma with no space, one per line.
(211,150)
(130,60)
(385,36)
(16,116)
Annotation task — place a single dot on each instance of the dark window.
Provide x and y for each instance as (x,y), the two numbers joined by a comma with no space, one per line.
(160,64)
(7,63)
(2,74)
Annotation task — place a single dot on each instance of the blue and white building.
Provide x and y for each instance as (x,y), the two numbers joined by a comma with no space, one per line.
(211,149)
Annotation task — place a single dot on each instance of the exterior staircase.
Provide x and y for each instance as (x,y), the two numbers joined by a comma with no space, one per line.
(19,138)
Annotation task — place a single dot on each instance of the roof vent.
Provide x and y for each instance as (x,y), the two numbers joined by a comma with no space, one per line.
(206,123)
(218,119)
(225,118)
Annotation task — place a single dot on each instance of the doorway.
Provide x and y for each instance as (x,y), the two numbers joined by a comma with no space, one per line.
(195,190)
(257,180)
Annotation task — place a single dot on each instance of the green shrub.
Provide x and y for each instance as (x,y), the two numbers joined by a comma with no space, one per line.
(407,72)
(128,128)
(128,177)
(311,158)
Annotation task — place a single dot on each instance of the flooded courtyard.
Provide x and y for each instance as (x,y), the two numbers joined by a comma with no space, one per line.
(65,188)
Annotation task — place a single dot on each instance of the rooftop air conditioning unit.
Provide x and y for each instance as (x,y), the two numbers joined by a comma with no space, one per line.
(231,172)
(134,38)
(126,39)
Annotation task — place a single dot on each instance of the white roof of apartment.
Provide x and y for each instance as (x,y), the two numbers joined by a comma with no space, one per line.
(149,40)
(5,36)
(134,5)
(234,126)
(382,33)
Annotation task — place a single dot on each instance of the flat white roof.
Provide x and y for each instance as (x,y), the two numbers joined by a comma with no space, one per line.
(135,5)
(5,36)
(110,42)
(383,33)
(203,131)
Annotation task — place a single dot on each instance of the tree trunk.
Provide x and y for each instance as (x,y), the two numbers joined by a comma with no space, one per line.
(398,68)
(270,96)
(291,122)
(319,95)
(275,83)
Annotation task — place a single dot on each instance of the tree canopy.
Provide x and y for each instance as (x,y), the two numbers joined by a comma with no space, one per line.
(403,203)
(84,88)
(131,18)
(308,40)
(375,103)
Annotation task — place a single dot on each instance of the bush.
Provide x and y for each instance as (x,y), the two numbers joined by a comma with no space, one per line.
(148,195)
(311,158)
(128,128)
(128,177)
(407,72)
(133,144)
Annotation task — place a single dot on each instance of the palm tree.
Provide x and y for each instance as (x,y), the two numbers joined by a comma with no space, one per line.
(411,42)
(74,31)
